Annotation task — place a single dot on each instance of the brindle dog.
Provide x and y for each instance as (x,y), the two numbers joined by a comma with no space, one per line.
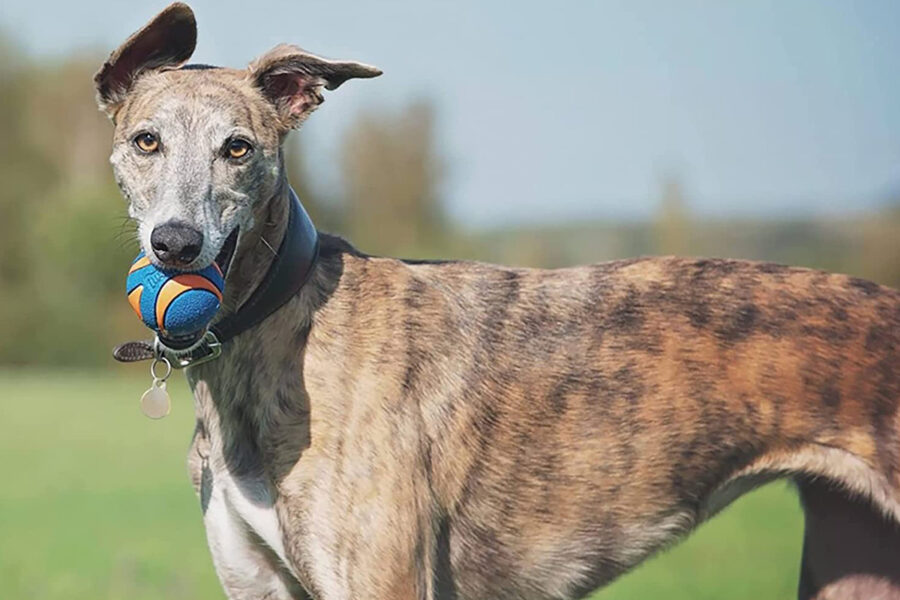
(469,431)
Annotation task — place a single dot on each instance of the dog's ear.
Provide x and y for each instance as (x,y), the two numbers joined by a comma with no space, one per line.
(166,41)
(292,80)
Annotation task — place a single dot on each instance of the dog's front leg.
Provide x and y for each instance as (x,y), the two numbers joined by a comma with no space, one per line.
(247,568)
(362,528)
(385,553)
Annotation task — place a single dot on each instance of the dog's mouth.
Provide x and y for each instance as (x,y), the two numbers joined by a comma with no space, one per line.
(226,254)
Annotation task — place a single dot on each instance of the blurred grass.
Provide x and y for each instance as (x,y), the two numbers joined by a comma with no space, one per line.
(95,504)
(751,550)
(95,500)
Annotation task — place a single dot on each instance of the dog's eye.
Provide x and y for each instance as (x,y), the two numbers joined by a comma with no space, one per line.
(238,148)
(146,143)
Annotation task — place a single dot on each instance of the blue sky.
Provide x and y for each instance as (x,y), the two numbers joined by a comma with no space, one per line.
(575,110)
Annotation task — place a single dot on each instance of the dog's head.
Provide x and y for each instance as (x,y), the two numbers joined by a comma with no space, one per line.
(196,149)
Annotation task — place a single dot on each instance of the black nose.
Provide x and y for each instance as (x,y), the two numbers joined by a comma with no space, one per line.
(176,243)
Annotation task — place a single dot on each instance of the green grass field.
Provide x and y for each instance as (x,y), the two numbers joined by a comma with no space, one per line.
(95,504)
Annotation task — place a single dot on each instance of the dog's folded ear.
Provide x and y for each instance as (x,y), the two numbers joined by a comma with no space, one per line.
(292,80)
(168,40)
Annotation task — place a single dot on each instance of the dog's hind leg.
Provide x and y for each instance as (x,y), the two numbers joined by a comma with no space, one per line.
(851,551)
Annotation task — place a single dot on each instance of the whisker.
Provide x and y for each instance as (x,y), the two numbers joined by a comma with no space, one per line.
(271,249)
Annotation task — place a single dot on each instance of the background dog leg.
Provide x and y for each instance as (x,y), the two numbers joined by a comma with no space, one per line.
(850,551)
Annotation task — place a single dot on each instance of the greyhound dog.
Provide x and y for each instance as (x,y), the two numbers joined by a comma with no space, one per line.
(403,429)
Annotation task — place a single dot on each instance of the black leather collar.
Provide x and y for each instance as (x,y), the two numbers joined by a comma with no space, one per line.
(288,272)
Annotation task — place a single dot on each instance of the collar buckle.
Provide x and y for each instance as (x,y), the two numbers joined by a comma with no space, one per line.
(206,349)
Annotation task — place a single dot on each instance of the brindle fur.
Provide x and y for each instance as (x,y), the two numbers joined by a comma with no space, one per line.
(461,430)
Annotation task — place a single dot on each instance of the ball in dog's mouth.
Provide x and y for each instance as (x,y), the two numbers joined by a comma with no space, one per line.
(178,305)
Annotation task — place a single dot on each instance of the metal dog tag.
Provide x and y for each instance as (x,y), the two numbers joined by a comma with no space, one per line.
(155,402)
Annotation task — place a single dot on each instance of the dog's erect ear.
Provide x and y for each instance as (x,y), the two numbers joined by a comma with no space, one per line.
(292,80)
(166,41)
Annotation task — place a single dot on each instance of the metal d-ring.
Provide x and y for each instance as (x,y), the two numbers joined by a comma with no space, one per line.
(156,378)
(205,349)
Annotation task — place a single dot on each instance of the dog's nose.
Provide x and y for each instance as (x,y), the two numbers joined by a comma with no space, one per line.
(176,243)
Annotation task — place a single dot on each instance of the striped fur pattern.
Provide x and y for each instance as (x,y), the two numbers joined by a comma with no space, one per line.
(458,430)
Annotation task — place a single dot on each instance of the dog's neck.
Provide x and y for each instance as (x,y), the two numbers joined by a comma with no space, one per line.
(257,247)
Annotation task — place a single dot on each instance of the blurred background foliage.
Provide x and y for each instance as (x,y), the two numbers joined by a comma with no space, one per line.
(65,240)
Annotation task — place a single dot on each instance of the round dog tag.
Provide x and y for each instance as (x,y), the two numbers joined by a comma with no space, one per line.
(155,402)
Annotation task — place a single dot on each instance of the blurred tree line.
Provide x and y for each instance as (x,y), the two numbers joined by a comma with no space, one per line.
(65,241)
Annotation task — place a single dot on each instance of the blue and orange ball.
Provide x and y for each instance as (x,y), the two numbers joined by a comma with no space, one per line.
(174,303)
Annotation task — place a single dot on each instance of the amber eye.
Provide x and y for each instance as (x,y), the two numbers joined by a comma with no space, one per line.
(237,148)
(146,143)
